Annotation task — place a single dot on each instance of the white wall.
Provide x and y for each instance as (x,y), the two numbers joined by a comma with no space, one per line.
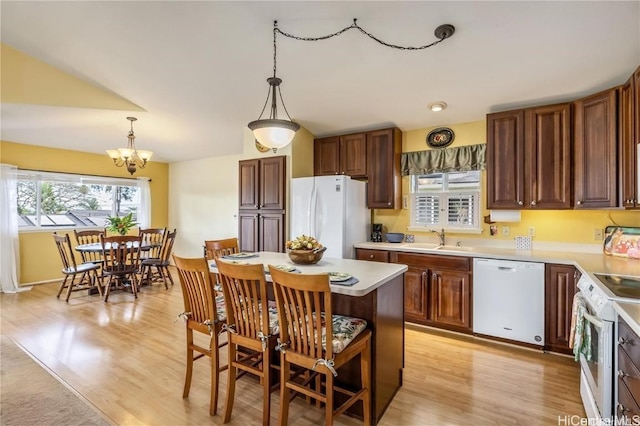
(203,197)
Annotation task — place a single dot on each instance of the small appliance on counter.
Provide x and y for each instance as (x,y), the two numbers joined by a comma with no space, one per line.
(376,233)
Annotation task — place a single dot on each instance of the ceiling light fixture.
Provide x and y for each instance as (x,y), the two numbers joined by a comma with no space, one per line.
(130,156)
(437,106)
(274,132)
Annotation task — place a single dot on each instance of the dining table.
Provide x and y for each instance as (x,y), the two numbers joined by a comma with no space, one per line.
(373,291)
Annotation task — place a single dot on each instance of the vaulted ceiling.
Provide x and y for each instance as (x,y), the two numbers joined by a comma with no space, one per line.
(194,73)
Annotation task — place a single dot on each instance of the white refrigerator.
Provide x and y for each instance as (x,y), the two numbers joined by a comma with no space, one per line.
(333,209)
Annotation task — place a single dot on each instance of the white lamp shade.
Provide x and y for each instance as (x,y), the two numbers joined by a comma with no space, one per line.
(125,152)
(114,154)
(274,137)
(144,155)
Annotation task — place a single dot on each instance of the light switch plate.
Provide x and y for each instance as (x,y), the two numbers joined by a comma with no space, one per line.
(505,231)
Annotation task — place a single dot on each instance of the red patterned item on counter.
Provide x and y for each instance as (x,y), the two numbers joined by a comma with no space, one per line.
(622,241)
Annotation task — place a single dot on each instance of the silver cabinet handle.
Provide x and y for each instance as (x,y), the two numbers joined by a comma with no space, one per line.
(622,409)
(389,203)
(579,203)
(622,374)
(370,256)
(520,203)
(622,341)
(533,203)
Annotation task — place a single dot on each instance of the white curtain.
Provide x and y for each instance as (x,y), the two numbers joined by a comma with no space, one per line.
(9,243)
(144,214)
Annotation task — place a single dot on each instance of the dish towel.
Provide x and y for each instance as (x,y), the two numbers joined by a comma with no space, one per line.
(580,336)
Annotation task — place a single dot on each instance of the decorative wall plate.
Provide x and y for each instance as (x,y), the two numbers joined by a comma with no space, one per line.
(440,137)
(261,147)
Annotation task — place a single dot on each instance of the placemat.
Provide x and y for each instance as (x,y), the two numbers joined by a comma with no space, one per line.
(347,283)
(232,257)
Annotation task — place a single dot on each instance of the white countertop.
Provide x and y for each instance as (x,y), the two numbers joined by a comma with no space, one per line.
(585,262)
(630,312)
(371,275)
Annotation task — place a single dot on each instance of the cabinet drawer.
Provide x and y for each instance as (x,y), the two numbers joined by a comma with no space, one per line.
(627,405)
(373,255)
(432,261)
(629,373)
(629,342)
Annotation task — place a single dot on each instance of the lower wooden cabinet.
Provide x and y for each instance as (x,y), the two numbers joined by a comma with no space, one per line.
(560,287)
(372,255)
(437,290)
(628,405)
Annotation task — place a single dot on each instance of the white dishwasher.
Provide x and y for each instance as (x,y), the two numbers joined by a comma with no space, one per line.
(508,300)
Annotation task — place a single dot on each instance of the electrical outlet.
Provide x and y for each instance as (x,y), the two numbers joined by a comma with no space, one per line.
(532,231)
(597,234)
(505,231)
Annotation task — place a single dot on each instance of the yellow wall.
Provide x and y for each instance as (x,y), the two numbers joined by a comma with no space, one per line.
(575,226)
(39,260)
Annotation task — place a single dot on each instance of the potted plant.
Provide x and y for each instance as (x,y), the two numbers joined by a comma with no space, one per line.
(120,225)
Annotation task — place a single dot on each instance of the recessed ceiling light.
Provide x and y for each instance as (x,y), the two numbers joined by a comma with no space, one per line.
(437,106)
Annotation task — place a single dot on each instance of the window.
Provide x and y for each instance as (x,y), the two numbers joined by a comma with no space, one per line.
(446,200)
(58,200)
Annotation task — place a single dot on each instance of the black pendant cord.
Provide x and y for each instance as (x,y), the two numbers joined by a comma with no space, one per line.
(442,32)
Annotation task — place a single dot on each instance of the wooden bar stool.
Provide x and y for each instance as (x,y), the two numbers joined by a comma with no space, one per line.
(203,313)
(304,311)
(252,328)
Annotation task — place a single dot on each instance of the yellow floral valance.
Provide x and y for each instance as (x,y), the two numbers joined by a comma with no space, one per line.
(460,159)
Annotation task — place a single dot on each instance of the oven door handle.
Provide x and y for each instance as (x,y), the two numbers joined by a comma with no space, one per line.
(593,320)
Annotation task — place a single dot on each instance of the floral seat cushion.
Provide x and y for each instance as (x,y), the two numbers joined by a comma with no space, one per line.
(221,309)
(345,329)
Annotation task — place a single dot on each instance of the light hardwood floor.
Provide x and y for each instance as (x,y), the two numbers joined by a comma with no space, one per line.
(127,358)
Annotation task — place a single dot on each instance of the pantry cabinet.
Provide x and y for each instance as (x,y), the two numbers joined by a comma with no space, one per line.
(529,158)
(628,101)
(596,148)
(262,201)
(560,287)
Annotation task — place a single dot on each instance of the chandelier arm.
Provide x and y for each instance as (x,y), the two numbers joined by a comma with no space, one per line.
(442,32)
(283,105)
(265,103)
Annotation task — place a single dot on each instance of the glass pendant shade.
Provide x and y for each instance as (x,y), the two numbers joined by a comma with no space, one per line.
(274,133)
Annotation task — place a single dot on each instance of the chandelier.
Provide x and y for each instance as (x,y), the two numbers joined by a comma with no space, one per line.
(130,156)
(274,132)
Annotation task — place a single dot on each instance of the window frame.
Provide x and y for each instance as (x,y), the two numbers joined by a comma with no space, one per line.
(443,193)
(60,177)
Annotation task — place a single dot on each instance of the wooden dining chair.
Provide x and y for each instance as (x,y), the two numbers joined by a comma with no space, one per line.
(87,272)
(313,338)
(161,264)
(203,313)
(152,241)
(121,256)
(251,332)
(90,236)
(219,248)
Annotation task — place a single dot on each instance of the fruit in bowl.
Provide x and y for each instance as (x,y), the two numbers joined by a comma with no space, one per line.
(305,250)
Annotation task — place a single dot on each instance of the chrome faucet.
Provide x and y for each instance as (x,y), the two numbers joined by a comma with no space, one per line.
(440,235)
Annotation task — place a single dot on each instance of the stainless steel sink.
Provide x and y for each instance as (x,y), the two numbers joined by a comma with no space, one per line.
(453,248)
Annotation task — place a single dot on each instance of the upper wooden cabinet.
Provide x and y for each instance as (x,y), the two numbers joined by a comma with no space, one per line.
(384,148)
(262,183)
(628,146)
(373,155)
(596,147)
(341,155)
(529,158)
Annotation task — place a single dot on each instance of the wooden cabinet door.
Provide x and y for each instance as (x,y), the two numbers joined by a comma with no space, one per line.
(636,105)
(272,183)
(450,298)
(415,295)
(560,287)
(326,156)
(248,227)
(271,229)
(628,151)
(353,155)
(595,163)
(249,196)
(383,159)
(548,157)
(505,160)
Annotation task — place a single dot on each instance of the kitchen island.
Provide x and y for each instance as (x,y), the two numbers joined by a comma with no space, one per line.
(378,298)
